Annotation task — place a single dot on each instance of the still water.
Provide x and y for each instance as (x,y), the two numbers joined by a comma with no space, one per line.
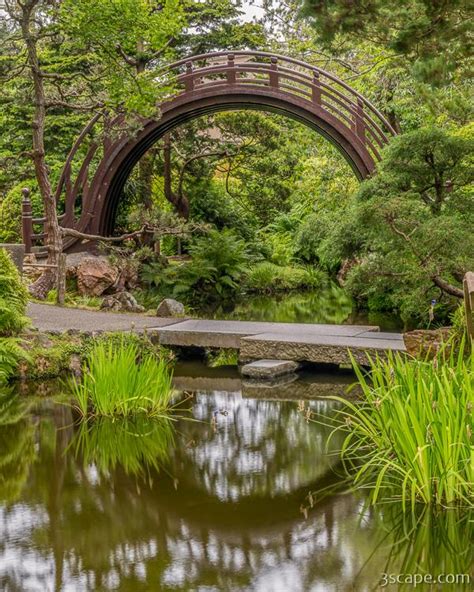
(227,498)
(330,304)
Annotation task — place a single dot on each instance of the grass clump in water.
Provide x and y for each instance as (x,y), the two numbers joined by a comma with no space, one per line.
(119,382)
(411,437)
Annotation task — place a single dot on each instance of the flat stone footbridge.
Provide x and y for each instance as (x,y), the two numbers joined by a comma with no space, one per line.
(333,344)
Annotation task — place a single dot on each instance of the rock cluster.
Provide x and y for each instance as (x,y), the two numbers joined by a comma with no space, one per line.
(424,343)
(121,301)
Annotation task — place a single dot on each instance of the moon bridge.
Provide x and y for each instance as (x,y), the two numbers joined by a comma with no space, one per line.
(96,169)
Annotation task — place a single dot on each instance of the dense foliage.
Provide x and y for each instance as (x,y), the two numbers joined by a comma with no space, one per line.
(13,300)
(279,201)
(13,297)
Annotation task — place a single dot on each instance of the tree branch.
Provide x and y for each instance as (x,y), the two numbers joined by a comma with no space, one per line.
(447,287)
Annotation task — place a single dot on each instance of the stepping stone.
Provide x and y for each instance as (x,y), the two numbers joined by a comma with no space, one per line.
(269,368)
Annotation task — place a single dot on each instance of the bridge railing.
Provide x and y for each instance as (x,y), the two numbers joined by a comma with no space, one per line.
(285,75)
(321,92)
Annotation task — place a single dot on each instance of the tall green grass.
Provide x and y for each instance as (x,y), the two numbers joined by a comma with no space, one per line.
(411,437)
(118,381)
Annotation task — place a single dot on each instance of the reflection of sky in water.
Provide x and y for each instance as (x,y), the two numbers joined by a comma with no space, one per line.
(225,515)
(259,447)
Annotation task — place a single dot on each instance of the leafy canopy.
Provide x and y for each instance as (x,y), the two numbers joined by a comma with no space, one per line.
(434,36)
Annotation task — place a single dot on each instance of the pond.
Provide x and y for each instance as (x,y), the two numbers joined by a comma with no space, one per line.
(240,494)
(329,304)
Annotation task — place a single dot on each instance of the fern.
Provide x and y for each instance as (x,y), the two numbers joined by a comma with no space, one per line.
(11,353)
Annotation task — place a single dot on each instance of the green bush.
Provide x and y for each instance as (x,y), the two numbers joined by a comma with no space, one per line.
(13,297)
(268,277)
(411,437)
(10,212)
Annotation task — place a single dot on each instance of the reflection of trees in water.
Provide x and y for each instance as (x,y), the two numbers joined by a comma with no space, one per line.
(327,305)
(17,450)
(257,447)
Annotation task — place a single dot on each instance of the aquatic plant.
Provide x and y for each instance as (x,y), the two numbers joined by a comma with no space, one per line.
(119,381)
(222,357)
(411,436)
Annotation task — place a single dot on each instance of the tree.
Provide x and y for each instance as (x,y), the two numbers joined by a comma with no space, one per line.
(97,71)
(434,36)
(409,227)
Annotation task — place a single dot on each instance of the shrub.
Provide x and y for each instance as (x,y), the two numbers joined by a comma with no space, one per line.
(411,437)
(13,297)
(10,212)
(118,381)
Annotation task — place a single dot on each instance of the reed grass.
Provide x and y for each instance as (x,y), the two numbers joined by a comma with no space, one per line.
(411,436)
(118,381)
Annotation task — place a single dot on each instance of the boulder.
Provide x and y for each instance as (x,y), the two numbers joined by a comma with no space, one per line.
(170,308)
(95,275)
(16,252)
(121,302)
(424,343)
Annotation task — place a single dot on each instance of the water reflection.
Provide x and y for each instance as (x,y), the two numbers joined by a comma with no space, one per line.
(219,510)
(135,444)
(17,446)
(328,304)
(428,541)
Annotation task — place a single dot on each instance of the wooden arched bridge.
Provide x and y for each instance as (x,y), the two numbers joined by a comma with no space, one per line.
(97,167)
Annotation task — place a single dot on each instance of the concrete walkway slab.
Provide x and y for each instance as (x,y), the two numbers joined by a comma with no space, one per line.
(228,334)
(256,340)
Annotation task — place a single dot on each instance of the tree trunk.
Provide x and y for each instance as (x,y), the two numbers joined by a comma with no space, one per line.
(145,173)
(179,201)
(53,239)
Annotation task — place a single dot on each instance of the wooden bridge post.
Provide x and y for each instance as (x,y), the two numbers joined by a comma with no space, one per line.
(468,285)
(274,72)
(27,220)
(316,88)
(189,81)
(61,280)
(359,122)
(231,73)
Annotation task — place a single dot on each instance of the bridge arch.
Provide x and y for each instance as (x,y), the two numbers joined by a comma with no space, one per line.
(224,81)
